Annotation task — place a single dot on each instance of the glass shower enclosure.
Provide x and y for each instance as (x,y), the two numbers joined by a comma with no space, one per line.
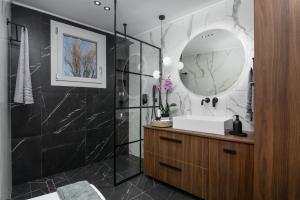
(135,62)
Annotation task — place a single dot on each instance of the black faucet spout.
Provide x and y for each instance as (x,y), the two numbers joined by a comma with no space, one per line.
(206,100)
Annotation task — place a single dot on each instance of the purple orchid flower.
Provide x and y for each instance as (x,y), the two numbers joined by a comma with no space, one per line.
(166,86)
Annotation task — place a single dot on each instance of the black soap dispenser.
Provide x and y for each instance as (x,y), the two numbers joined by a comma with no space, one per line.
(238,127)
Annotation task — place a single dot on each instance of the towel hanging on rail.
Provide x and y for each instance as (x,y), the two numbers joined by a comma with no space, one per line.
(23,90)
(249,115)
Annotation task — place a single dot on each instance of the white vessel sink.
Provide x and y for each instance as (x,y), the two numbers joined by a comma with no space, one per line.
(215,125)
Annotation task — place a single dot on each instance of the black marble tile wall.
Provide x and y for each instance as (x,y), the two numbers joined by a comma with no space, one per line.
(66,127)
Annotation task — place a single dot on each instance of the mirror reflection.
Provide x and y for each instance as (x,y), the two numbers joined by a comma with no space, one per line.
(213,62)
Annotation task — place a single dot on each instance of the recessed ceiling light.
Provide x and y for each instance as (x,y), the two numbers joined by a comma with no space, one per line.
(97,3)
(106,8)
(208,35)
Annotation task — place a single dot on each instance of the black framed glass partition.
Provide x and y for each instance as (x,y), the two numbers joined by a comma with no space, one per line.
(135,62)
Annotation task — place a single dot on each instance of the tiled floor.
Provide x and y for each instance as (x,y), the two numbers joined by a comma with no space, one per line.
(101,175)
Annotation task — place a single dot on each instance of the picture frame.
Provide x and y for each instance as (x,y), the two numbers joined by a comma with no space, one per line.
(78,57)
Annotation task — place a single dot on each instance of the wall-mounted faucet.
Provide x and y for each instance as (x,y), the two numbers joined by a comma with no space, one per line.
(206,100)
(215,101)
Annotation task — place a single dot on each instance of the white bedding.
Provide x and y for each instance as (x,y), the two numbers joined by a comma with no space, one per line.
(54,195)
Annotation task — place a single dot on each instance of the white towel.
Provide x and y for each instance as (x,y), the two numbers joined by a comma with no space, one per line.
(249,115)
(23,91)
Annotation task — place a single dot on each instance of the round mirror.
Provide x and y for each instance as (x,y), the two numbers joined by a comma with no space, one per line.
(213,62)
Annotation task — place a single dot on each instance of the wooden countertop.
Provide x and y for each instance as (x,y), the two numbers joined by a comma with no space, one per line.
(248,140)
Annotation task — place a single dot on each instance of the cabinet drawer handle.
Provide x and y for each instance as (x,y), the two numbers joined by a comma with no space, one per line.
(170,166)
(230,151)
(170,139)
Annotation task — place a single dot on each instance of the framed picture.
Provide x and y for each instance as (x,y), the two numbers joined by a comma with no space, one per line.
(78,57)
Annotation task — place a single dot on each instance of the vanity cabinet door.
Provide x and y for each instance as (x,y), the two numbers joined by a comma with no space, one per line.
(230,171)
(149,140)
(150,168)
(173,146)
(198,155)
(190,178)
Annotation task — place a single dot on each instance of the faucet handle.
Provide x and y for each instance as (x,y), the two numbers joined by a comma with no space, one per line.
(215,101)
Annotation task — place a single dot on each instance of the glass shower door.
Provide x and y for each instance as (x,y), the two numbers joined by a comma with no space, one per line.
(133,95)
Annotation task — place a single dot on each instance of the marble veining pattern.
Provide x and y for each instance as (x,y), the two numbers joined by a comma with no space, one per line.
(231,15)
(151,38)
(184,104)
(74,123)
(66,96)
(164,36)
(19,143)
(101,175)
(235,10)
(86,125)
(190,28)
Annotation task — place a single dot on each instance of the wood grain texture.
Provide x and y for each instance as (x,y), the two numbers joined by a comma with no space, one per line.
(177,159)
(191,150)
(149,140)
(198,165)
(190,178)
(231,173)
(294,102)
(247,140)
(173,146)
(277,99)
(150,165)
(198,155)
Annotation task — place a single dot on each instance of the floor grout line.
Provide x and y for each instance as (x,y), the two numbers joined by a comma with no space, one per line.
(101,175)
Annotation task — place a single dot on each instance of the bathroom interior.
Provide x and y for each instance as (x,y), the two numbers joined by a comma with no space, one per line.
(149,100)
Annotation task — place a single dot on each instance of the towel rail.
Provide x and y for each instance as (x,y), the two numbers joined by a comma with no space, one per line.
(16,27)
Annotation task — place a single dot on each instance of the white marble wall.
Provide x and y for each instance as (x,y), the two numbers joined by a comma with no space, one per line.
(5,163)
(236,16)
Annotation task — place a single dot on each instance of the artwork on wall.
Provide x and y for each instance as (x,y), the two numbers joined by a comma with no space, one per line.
(78,57)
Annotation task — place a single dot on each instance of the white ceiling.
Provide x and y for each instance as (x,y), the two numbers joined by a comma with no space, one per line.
(140,15)
(212,40)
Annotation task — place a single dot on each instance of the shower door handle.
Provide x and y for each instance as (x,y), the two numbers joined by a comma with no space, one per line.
(145,99)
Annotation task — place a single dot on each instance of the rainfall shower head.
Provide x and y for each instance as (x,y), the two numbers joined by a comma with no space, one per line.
(123,43)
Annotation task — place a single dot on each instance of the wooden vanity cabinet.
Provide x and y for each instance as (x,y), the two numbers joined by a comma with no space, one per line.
(168,158)
(230,170)
(204,166)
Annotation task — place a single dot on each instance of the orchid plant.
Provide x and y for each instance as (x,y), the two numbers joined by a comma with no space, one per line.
(166,86)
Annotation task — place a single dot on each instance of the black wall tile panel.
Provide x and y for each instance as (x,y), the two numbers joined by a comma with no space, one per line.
(66,127)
